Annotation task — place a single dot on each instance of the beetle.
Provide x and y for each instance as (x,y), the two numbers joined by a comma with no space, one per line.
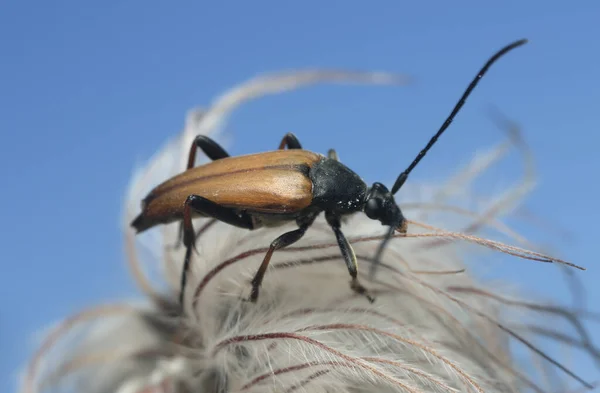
(272,188)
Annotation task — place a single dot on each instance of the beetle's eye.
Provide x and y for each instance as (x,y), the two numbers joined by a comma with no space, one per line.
(372,208)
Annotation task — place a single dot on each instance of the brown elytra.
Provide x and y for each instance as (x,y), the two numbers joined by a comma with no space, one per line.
(269,182)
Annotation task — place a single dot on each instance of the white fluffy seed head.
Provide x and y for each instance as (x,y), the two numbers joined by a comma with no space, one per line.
(433,326)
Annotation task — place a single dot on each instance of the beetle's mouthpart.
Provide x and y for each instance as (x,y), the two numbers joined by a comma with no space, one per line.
(403,227)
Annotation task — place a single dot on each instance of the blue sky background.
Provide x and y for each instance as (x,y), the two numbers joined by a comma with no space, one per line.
(90,90)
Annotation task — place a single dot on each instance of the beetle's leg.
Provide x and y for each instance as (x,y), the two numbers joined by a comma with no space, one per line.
(348,254)
(282,241)
(211,209)
(214,151)
(290,141)
(333,155)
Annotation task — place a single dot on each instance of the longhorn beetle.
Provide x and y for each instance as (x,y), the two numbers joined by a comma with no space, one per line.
(272,188)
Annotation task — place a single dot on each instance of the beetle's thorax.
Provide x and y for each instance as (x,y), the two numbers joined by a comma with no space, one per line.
(336,187)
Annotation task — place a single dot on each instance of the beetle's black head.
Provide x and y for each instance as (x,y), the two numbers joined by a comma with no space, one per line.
(380,205)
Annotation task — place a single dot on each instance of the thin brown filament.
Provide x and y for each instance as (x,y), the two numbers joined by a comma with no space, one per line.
(470,337)
(581,390)
(431,351)
(491,221)
(284,370)
(357,310)
(565,338)
(505,329)
(413,370)
(568,315)
(304,366)
(293,336)
(352,310)
(308,380)
(511,250)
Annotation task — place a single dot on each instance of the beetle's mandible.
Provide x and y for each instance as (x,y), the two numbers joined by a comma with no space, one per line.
(271,188)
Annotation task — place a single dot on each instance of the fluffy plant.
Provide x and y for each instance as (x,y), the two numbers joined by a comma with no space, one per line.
(434,326)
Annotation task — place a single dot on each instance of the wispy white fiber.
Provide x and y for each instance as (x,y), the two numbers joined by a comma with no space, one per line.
(434,327)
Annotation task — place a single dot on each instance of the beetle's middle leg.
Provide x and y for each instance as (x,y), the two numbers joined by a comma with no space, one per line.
(282,241)
(290,141)
(348,254)
(211,209)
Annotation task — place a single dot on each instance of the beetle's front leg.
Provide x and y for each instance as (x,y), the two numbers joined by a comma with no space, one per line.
(290,141)
(211,209)
(348,254)
(282,241)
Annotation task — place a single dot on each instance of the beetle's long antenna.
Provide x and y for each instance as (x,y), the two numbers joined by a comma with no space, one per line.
(404,175)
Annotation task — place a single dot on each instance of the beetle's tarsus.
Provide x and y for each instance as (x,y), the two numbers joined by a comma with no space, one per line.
(186,265)
(253,294)
(348,254)
(358,288)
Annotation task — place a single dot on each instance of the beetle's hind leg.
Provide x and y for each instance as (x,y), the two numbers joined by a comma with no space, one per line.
(348,254)
(290,141)
(214,151)
(211,209)
(282,241)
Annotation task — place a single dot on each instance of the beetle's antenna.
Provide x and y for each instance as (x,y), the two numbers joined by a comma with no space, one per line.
(404,175)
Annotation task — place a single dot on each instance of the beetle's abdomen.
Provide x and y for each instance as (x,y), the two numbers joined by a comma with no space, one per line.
(274,182)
